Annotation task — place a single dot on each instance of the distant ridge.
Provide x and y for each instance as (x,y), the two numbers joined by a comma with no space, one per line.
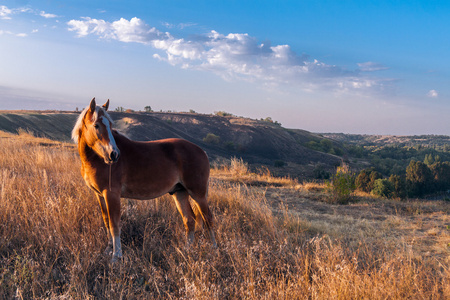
(222,137)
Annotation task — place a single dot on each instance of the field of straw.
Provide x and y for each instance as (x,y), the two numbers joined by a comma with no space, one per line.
(277,239)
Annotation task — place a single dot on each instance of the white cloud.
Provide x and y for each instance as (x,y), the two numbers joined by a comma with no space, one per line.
(23,9)
(122,30)
(134,30)
(22,35)
(235,56)
(371,66)
(185,25)
(5,12)
(47,15)
(181,25)
(5,32)
(433,94)
(167,25)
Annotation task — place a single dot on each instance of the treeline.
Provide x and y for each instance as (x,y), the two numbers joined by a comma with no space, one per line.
(400,167)
(390,160)
(418,180)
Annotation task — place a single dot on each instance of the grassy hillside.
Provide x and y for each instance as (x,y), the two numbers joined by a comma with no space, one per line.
(278,239)
(53,125)
(258,142)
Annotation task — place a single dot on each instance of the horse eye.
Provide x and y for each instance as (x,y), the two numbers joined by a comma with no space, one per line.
(96,126)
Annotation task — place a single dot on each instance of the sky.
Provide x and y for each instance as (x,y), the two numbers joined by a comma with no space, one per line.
(365,67)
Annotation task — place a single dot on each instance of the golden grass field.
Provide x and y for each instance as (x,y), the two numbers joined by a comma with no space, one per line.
(277,238)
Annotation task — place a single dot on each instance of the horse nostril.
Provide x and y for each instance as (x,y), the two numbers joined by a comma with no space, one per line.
(114,156)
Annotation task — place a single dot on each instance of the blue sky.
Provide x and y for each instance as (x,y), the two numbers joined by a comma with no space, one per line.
(375,67)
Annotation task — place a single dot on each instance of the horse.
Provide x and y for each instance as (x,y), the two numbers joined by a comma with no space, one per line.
(114,166)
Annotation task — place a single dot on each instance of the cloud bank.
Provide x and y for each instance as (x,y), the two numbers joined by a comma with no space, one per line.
(235,56)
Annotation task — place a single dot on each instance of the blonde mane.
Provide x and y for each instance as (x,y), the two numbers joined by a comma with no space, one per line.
(78,125)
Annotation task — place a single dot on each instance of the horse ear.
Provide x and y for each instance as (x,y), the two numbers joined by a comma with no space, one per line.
(92,105)
(106,105)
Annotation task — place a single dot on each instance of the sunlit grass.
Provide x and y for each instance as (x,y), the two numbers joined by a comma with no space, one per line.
(52,240)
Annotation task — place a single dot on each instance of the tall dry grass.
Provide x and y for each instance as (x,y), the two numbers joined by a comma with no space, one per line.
(52,240)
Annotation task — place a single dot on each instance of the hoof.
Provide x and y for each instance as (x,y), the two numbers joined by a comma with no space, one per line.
(108,250)
(115,259)
(213,238)
(190,239)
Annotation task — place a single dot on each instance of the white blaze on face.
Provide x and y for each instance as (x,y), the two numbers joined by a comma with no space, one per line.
(112,141)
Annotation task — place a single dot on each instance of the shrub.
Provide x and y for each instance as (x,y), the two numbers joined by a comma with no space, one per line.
(342,185)
(211,138)
(270,120)
(223,114)
(319,172)
(383,188)
(230,146)
(238,166)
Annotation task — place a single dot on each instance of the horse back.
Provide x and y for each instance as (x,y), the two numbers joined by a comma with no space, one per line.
(153,168)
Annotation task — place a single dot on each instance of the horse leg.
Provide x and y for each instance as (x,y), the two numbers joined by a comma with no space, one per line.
(184,208)
(113,205)
(102,203)
(206,214)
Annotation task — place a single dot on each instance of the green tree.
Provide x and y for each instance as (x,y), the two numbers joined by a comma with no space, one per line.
(326,145)
(441,175)
(383,188)
(374,175)
(419,178)
(399,186)
(313,145)
(148,108)
(362,181)
(429,160)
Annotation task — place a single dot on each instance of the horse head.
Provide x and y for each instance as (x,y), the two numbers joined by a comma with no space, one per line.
(94,127)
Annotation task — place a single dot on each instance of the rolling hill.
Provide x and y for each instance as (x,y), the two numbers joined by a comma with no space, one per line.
(257,142)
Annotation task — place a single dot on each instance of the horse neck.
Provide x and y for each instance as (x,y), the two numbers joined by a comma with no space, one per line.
(87,154)
(121,140)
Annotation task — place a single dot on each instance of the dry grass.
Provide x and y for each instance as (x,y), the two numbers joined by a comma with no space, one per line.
(238,171)
(52,239)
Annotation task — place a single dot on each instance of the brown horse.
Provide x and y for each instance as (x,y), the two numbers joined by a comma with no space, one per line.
(114,166)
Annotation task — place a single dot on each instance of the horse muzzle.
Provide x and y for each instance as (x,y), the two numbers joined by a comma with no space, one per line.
(113,156)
